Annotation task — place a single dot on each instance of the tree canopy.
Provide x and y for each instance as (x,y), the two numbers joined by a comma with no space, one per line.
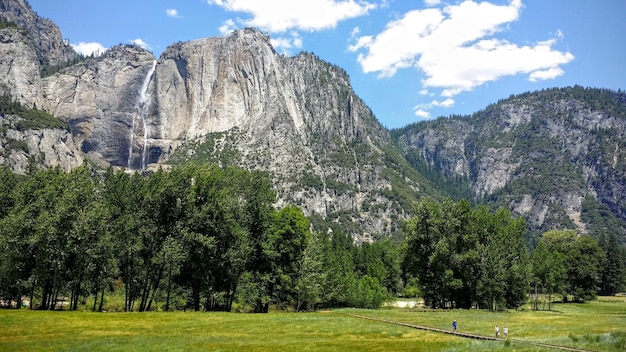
(464,257)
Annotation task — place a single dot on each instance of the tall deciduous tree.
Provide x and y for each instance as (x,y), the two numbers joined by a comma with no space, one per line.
(463,256)
(122,198)
(380,260)
(548,273)
(290,235)
(10,260)
(582,258)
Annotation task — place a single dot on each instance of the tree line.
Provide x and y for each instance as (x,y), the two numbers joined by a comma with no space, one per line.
(206,238)
(463,257)
(196,237)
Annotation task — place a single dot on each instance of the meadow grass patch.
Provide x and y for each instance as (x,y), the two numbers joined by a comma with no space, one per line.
(594,326)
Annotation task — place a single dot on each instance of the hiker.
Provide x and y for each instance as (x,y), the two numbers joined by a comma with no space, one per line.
(497,331)
(506,332)
(454,326)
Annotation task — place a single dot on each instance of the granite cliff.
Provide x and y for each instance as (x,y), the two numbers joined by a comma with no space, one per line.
(556,156)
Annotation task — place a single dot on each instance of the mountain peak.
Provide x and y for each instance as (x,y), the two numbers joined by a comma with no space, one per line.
(44,35)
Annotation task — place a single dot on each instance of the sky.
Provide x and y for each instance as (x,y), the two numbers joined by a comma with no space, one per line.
(409,60)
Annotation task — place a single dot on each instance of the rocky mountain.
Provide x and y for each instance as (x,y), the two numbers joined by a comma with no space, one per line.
(554,156)
(557,156)
(29,137)
(233,100)
(42,35)
(29,45)
(47,147)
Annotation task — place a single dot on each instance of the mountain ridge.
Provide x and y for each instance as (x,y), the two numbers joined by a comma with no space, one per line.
(540,153)
(555,157)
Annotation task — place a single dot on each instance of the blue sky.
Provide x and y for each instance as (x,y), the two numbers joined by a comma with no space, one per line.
(409,60)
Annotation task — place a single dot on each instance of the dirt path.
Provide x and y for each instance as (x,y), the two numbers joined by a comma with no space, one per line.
(471,336)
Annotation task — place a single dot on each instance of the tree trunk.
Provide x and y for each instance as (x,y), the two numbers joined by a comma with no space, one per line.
(55,296)
(169,289)
(536,300)
(45,295)
(95,299)
(74,303)
(195,288)
(127,295)
(101,298)
(32,293)
(231,298)
(258,307)
(156,286)
(145,291)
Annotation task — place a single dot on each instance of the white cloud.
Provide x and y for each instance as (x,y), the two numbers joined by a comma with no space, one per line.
(139,42)
(87,49)
(550,73)
(283,44)
(456,48)
(279,16)
(173,13)
(355,32)
(559,34)
(364,41)
(446,103)
(423,114)
(432,2)
(443,103)
(297,40)
(227,27)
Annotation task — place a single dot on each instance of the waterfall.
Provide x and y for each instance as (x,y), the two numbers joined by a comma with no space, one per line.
(143,105)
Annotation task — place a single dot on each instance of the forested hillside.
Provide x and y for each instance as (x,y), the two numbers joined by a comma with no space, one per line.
(556,157)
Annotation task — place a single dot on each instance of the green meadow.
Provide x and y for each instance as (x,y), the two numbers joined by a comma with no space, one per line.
(598,326)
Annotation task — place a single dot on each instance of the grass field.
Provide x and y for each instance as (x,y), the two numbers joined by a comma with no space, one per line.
(598,326)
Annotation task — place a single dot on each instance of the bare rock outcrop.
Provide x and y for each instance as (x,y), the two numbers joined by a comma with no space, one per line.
(22,149)
(43,35)
(19,68)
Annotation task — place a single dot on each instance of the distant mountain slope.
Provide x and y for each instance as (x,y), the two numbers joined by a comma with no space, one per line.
(556,156)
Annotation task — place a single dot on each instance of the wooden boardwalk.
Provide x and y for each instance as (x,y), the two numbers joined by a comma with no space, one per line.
(470,336)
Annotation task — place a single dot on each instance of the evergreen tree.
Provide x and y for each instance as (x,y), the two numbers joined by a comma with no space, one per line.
(613,273)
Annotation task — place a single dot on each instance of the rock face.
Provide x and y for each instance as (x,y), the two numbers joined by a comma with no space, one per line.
(42,34)
(234,101)
(102,100)
(238,101)
(28,42)
(19,67)
(47,147)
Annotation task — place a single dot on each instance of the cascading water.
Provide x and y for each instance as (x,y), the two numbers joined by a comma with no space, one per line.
(143,105)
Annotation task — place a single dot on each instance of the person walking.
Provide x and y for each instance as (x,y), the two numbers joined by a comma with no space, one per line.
(497,331)
(454,326)
(506,332)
